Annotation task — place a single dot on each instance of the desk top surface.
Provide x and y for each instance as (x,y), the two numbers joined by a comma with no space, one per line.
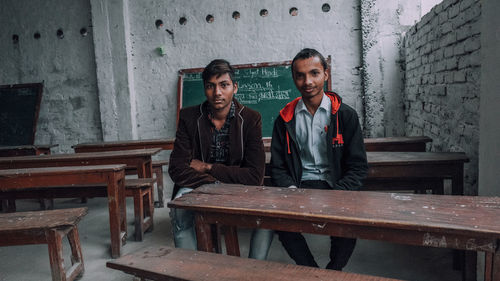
(31,146)
(384,158)
(82,156)
(125,143)
(456,214)
(60,170)
(401,158)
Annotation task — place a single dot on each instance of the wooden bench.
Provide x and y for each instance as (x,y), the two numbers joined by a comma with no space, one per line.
(158,179)
(164,263)
(47,227)
(140,190)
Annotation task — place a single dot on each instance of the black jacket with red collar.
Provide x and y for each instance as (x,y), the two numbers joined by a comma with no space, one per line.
(346,149)
(193,140)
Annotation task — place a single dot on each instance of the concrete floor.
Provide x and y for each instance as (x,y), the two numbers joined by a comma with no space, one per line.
(31,262)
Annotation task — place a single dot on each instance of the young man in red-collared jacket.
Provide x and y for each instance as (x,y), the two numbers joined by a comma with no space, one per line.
(317,143)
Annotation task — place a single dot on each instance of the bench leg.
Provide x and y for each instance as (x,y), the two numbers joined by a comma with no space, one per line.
(54,242)
(148,210)
(76,254)
(158,171)
(138,215)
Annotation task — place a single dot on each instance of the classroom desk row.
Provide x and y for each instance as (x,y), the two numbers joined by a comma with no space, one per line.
(24,172)
(456,222)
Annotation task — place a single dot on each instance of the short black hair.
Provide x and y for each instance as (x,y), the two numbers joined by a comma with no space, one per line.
(309,53)
(217,67)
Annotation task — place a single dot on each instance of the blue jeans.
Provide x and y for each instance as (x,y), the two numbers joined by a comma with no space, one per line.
(183,228)
(260,242)
(183,224)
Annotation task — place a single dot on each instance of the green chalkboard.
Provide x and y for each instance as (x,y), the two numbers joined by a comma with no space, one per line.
(265,87)
(19,107)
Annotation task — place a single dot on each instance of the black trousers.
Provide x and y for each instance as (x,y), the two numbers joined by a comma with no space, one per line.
(296,246)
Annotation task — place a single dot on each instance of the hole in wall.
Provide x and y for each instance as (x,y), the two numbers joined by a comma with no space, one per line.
(209,18)
(293,11)
(37,35)
(325,8)
(60,33)
(83,32)
(236,15)
(15,38)
(263,13)
(183,21)
(158,23)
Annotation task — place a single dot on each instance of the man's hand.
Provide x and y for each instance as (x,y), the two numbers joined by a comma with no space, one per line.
(200,166)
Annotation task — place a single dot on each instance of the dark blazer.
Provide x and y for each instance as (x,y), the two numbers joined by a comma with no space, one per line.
(193,139)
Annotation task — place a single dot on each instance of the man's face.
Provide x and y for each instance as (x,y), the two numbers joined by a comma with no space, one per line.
(309,76)
(220,91)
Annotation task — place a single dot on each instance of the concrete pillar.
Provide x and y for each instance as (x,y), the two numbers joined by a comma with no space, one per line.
(114,76)
(489,130)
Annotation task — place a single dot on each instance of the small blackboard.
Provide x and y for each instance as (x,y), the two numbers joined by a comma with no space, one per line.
(265,87)
(19,107)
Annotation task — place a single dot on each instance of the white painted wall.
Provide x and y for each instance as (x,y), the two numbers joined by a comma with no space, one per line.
(250,39)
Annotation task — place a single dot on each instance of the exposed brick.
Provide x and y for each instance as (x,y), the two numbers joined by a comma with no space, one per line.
(438,90)
(459,76)
(473,13)
(447,3)
(453,11)
(459,49)
(458,90)
(448,51)
(464,4)
(463,61)
(473,75)
(448,39)
(448,77)
(439,66)
(446,27)
(472,44)
(464,32)
(443,17)
(451,63)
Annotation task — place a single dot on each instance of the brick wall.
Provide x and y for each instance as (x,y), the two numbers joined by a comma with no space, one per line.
(442,81)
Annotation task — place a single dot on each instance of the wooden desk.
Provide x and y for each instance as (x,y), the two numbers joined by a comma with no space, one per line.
(23,150)
(139,159)
(166,144)
(112,175)
(409,170)
(402,169)
(414,143)
(458,222)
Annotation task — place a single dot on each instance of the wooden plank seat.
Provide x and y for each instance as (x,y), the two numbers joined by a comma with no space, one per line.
(47,227)
(164,263)
(139,189)
(158,174)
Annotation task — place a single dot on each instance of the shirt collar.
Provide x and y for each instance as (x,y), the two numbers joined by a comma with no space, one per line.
(325,104)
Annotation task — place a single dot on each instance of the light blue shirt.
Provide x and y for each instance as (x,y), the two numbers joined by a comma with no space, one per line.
(311,138)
